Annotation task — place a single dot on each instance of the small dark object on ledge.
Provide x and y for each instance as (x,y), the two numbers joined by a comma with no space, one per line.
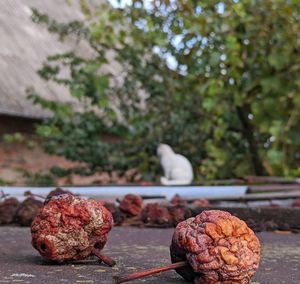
(132,205)
(179,213)
(115,211)
(296,202)
(55,192)
(201,203)
(156,214)
(27,211)
(8,209)
(177,200)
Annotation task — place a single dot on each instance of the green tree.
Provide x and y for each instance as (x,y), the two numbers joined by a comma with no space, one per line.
(222,79)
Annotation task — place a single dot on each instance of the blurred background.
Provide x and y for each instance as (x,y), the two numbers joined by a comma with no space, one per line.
(89,88)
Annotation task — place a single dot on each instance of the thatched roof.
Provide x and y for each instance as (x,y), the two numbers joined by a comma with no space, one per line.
(24,45)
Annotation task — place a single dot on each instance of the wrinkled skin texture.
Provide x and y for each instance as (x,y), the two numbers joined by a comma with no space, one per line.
(68,228)
(27,210)
(8,209)
(155,214)
(132,205)
(219,247)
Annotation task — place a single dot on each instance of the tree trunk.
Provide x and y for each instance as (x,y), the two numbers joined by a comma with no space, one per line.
(248,133)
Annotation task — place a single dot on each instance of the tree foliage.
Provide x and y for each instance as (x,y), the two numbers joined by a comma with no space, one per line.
(222,82)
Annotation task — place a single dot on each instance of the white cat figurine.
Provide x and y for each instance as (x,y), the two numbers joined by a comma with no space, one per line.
(177,168)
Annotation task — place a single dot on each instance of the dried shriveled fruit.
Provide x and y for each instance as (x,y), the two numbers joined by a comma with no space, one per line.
(132,204)
(69,228)
(8,209)
(177,200)
(212,248)
(55,192)
(156,214)
(179,213)
(27,210)
(201,203)
(219,247)
(117,214)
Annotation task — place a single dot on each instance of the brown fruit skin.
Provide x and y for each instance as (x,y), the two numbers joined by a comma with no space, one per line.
(179,213)
(219,247)
(177,200)
(55,192)
(27,210)
(155,214)
(118,215)
(8,209)
(69,228)
(132,205)
(296,202)
(201,203)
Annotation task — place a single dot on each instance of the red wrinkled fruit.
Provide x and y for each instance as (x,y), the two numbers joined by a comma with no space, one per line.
(219,247)
(132,204)
(69,228)
(179,213)
(155,214)
(212,248)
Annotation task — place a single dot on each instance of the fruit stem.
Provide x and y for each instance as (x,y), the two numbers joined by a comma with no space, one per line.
(105,259)
(141,274)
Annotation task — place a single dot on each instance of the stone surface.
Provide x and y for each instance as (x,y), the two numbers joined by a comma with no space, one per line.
(134,249)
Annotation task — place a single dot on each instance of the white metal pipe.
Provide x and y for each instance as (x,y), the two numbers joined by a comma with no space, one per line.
(186,192)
